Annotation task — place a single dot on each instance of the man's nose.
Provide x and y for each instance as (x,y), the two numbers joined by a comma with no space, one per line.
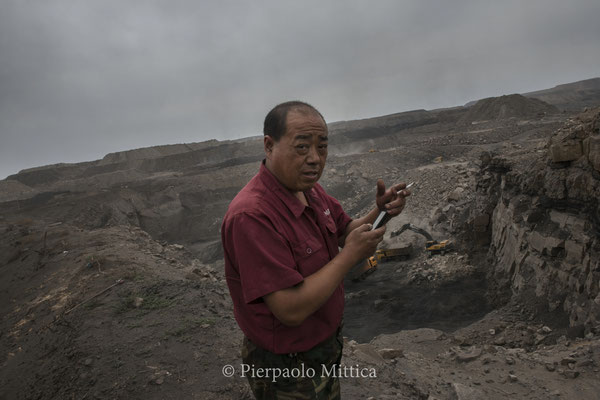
(313,155)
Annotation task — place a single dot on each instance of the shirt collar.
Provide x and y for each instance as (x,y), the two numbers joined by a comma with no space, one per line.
(271,183)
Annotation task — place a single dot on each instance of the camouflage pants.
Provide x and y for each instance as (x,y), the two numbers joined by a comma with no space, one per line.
(312,382)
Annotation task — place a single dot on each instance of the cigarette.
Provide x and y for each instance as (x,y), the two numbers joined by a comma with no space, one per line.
(407,186)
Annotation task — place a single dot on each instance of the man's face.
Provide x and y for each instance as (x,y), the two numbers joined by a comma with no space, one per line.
(298,158)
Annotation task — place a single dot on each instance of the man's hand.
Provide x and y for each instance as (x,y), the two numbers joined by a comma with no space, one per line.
(293,305)
(393,199)
(362,242)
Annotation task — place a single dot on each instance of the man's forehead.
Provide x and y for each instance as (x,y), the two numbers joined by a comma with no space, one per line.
(305,121)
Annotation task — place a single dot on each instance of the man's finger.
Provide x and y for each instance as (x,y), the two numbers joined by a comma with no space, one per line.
(398,187)
(402,194)
(400,200)
(379,231)
(396,210)
(380,187)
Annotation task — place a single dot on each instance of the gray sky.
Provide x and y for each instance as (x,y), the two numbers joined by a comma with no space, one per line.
(79,79)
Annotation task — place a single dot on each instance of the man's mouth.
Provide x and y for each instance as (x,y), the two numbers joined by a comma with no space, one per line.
(310,174)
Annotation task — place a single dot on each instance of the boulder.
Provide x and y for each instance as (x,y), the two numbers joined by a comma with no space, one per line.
(389,354)
(566,151)
(366,353)
(468,355)
(456,194)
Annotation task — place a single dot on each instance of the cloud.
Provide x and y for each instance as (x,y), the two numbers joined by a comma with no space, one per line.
(81,79)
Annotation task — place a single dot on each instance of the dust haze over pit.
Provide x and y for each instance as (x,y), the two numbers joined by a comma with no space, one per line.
(82,79)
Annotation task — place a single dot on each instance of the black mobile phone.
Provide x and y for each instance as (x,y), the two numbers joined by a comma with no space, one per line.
(381,220)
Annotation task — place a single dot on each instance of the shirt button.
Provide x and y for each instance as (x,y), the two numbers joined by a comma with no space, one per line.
(308,250)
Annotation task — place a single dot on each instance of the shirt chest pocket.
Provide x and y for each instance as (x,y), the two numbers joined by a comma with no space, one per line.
(330,224)
(310,256)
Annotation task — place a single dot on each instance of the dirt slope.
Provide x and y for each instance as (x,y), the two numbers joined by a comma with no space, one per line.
(571,96)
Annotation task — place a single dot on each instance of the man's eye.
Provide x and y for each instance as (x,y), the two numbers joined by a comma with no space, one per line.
(323,146)
(302,147)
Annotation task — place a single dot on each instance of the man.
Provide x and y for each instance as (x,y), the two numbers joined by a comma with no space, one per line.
(281,237)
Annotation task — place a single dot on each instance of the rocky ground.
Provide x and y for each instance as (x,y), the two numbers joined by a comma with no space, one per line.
(104,295)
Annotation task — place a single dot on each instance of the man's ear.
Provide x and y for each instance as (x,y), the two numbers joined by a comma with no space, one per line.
(268,144)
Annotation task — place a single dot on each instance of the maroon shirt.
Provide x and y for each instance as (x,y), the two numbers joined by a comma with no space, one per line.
(271,242)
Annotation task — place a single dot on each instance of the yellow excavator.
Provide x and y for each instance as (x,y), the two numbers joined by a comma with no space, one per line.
(381,256)
(432,246)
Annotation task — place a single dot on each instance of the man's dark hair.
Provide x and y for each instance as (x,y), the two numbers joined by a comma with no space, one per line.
(275,125)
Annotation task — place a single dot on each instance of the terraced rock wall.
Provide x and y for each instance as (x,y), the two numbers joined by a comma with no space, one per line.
(539,213)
